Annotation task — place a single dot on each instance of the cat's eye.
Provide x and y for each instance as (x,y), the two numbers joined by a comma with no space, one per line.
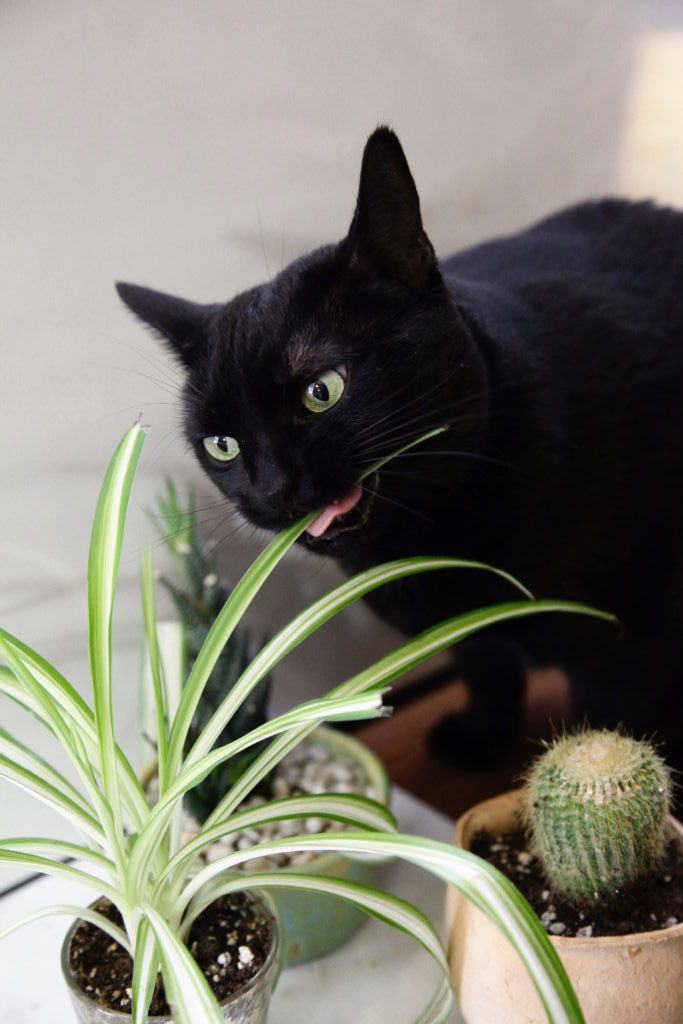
(323,392)
(222,448)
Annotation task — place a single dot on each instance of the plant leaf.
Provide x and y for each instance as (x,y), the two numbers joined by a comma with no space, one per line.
(21,766)
(103,562)
(145,970)
(45,866)
(151,834)
(223,627)
(42,690)
(311,619)
(154,663)
(409,654)
(186,986)
(389,909)
(358,811)
(70,910)
(479,881)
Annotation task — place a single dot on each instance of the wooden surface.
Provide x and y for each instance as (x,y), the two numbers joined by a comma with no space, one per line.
(400,742)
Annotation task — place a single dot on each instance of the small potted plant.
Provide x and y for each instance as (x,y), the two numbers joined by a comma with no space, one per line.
(327,761)
(133,854)
(590,841)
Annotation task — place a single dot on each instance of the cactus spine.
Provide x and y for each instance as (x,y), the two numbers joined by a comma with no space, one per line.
(596,805)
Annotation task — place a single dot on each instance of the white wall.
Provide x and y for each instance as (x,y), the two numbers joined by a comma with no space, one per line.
(197,147)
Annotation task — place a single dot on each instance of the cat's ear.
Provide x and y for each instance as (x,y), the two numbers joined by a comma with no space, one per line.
(386,238)
(181,323)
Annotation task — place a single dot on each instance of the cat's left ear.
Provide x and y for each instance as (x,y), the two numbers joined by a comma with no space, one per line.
(386,237)
(182,324)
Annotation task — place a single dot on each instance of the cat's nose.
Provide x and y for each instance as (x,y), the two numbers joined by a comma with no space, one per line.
(271,480)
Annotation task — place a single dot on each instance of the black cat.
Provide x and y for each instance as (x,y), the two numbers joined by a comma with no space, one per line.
(556,358)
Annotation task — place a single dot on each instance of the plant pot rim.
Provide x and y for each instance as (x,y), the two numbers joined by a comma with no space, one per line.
(120,1017)
(513,798)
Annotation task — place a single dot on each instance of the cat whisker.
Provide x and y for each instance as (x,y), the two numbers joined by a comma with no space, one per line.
(477,456)
(422,397)
(406,508)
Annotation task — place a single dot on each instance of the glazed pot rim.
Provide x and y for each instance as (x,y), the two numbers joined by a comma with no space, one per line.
(632,939)
(121,1017)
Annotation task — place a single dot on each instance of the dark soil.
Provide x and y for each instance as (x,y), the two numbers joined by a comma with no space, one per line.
(230,941)
(649,904)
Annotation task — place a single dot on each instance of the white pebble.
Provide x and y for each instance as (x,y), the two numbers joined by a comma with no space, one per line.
(245,954)
(214,852)
(557,928)
(585,933)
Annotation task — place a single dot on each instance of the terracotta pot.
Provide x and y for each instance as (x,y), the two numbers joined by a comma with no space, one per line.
(625,979)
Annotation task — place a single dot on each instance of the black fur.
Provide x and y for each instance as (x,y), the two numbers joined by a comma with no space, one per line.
(556,358)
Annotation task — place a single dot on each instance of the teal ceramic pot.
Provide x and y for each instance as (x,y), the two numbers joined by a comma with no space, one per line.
(314,924)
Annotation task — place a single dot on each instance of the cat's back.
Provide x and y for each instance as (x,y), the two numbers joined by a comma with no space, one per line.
(629,252)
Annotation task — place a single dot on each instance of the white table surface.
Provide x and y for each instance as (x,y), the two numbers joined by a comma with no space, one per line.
(379,977)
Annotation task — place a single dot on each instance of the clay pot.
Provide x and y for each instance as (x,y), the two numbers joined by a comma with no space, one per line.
(629,979)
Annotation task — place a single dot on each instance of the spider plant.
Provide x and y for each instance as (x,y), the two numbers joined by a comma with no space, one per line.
(132,854)
(199,594)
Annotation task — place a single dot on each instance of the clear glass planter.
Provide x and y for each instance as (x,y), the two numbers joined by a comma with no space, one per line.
(248,1006)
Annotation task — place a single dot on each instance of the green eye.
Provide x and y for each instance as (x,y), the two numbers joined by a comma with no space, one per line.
(323,392)
(222,448)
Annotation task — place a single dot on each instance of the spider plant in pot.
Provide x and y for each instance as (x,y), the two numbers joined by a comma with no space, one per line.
(312,925)
(590,840)
(131,854)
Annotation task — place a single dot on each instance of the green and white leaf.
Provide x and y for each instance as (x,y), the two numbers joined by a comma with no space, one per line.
(186,987)
(70,910)
(140,870)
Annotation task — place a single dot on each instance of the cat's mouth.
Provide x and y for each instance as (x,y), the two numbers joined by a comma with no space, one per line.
(342,515)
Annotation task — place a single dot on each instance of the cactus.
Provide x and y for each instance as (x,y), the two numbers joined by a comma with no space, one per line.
(198,596)
(596,807)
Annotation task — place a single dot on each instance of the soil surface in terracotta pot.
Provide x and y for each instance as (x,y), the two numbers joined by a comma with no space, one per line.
(651,903)
(230,941)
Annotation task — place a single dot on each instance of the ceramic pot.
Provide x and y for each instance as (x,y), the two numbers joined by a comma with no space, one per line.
(314,924)
(629,979)
(248,1006)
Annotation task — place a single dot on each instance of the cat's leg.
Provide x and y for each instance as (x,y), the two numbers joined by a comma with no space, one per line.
(484,733)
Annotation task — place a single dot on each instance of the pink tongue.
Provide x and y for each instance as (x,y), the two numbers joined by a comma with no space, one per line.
(337,508)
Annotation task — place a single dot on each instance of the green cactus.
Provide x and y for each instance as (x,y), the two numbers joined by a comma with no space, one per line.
(198,596)
(596,806)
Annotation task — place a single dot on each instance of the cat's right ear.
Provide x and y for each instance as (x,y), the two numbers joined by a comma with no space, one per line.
(386,238)
(181,324)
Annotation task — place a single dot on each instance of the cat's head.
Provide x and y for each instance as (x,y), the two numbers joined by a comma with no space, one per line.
(295,387)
